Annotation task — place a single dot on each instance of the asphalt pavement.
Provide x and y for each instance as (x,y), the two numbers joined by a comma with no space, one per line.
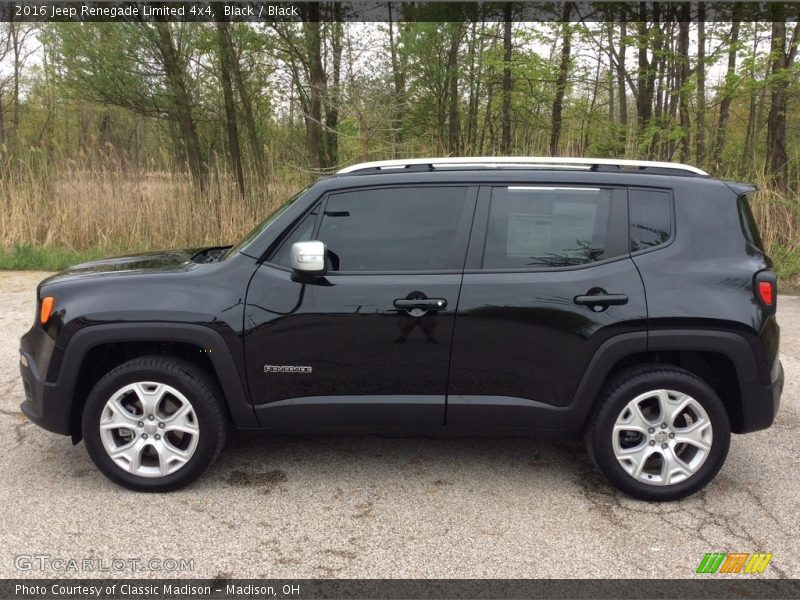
(369,506)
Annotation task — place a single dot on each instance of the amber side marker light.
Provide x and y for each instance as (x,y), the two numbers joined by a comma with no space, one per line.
(48,303)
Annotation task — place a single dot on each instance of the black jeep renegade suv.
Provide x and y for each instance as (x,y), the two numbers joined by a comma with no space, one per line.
(629,300)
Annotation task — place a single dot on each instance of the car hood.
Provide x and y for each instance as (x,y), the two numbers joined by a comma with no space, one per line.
(148,262)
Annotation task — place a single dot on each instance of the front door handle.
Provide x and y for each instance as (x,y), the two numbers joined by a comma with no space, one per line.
(597,299)
(422,303)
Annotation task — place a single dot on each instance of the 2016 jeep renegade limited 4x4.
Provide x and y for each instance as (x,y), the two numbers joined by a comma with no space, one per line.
(628,300)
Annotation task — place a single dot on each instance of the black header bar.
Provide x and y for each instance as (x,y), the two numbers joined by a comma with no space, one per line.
(403,10)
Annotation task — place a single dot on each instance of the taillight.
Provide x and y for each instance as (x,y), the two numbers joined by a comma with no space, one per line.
(48,303)
(766,291)
(765,287)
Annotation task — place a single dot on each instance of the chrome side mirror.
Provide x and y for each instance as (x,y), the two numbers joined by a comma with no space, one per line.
(308,257)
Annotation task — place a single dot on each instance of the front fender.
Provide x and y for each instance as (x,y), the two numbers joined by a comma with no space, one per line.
(207,339)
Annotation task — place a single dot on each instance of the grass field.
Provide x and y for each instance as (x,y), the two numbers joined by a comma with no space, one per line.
(61,212)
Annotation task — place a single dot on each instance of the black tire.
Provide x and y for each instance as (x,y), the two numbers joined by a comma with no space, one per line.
(185,377)
(614,399)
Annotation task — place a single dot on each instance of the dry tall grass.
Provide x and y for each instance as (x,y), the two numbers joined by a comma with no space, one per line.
(102,203)
(778,217)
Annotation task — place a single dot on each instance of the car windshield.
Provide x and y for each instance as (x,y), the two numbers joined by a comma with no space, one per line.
(263,226)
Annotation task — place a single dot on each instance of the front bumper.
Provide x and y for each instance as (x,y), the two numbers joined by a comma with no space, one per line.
(43,404)
(760,402)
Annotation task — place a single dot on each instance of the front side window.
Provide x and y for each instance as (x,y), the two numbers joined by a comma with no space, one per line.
(546,227)
(394,229)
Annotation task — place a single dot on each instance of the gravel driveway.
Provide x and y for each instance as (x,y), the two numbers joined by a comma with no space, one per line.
(354,507)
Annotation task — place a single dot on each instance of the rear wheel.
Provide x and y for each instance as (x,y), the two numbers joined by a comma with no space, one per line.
(154,423)
(659,433)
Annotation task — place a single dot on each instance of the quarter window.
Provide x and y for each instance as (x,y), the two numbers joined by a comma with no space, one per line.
(649,218)
(749,227)
(546,227)
(394,229)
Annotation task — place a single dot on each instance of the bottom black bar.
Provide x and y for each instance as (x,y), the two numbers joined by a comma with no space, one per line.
(712,587)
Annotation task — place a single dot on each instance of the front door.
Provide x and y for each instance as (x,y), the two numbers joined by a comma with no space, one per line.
(369,343)
(548,279)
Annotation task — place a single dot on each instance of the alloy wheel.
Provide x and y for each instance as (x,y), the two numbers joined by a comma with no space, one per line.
(149,429)
(662,437)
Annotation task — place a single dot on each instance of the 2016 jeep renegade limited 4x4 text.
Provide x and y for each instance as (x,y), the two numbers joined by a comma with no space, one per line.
(628,300)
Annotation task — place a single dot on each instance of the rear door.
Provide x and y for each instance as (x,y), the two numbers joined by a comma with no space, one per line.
(369,343)
(548,279)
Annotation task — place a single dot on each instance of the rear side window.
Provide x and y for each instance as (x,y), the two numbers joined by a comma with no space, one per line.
(649,218)
(748,222)
(546,227)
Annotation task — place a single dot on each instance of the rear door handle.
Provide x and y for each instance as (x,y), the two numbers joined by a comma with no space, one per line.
(600,301)
(607,299)
(424,304)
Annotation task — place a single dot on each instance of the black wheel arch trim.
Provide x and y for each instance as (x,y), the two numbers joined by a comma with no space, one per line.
(759,402)
(733,345)
(607,356)
(233,389)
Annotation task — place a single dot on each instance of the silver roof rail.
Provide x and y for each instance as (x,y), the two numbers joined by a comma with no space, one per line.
(517,162)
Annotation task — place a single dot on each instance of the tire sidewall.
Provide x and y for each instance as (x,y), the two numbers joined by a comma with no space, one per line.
(619,397)
(184,383)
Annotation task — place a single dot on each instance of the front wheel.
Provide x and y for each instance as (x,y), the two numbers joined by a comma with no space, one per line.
(659,433)
(154,423)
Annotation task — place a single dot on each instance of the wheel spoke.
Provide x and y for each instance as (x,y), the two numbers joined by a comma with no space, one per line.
(635,457)
(130,453)
(672,466)
(671,407)
(150,395)
(169,455)
(636,420)
(120,417)
(697,435)
(180,421)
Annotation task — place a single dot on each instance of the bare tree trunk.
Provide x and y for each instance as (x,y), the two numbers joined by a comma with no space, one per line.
(487,123)
(782,59)
(561,81)
(592,104)
(184,111)
(700,120)
(333,96)
(747,156)
(18,34)
(621,76)
(472,103)
(226,66)
(507,48)
(399,80)
(645,78)
(453,133)
(727,94)
(611,100)
(3,116)
(682,81)
(256,147)
(311,26)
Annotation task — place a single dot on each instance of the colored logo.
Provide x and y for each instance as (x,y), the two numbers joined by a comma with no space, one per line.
(734,562)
